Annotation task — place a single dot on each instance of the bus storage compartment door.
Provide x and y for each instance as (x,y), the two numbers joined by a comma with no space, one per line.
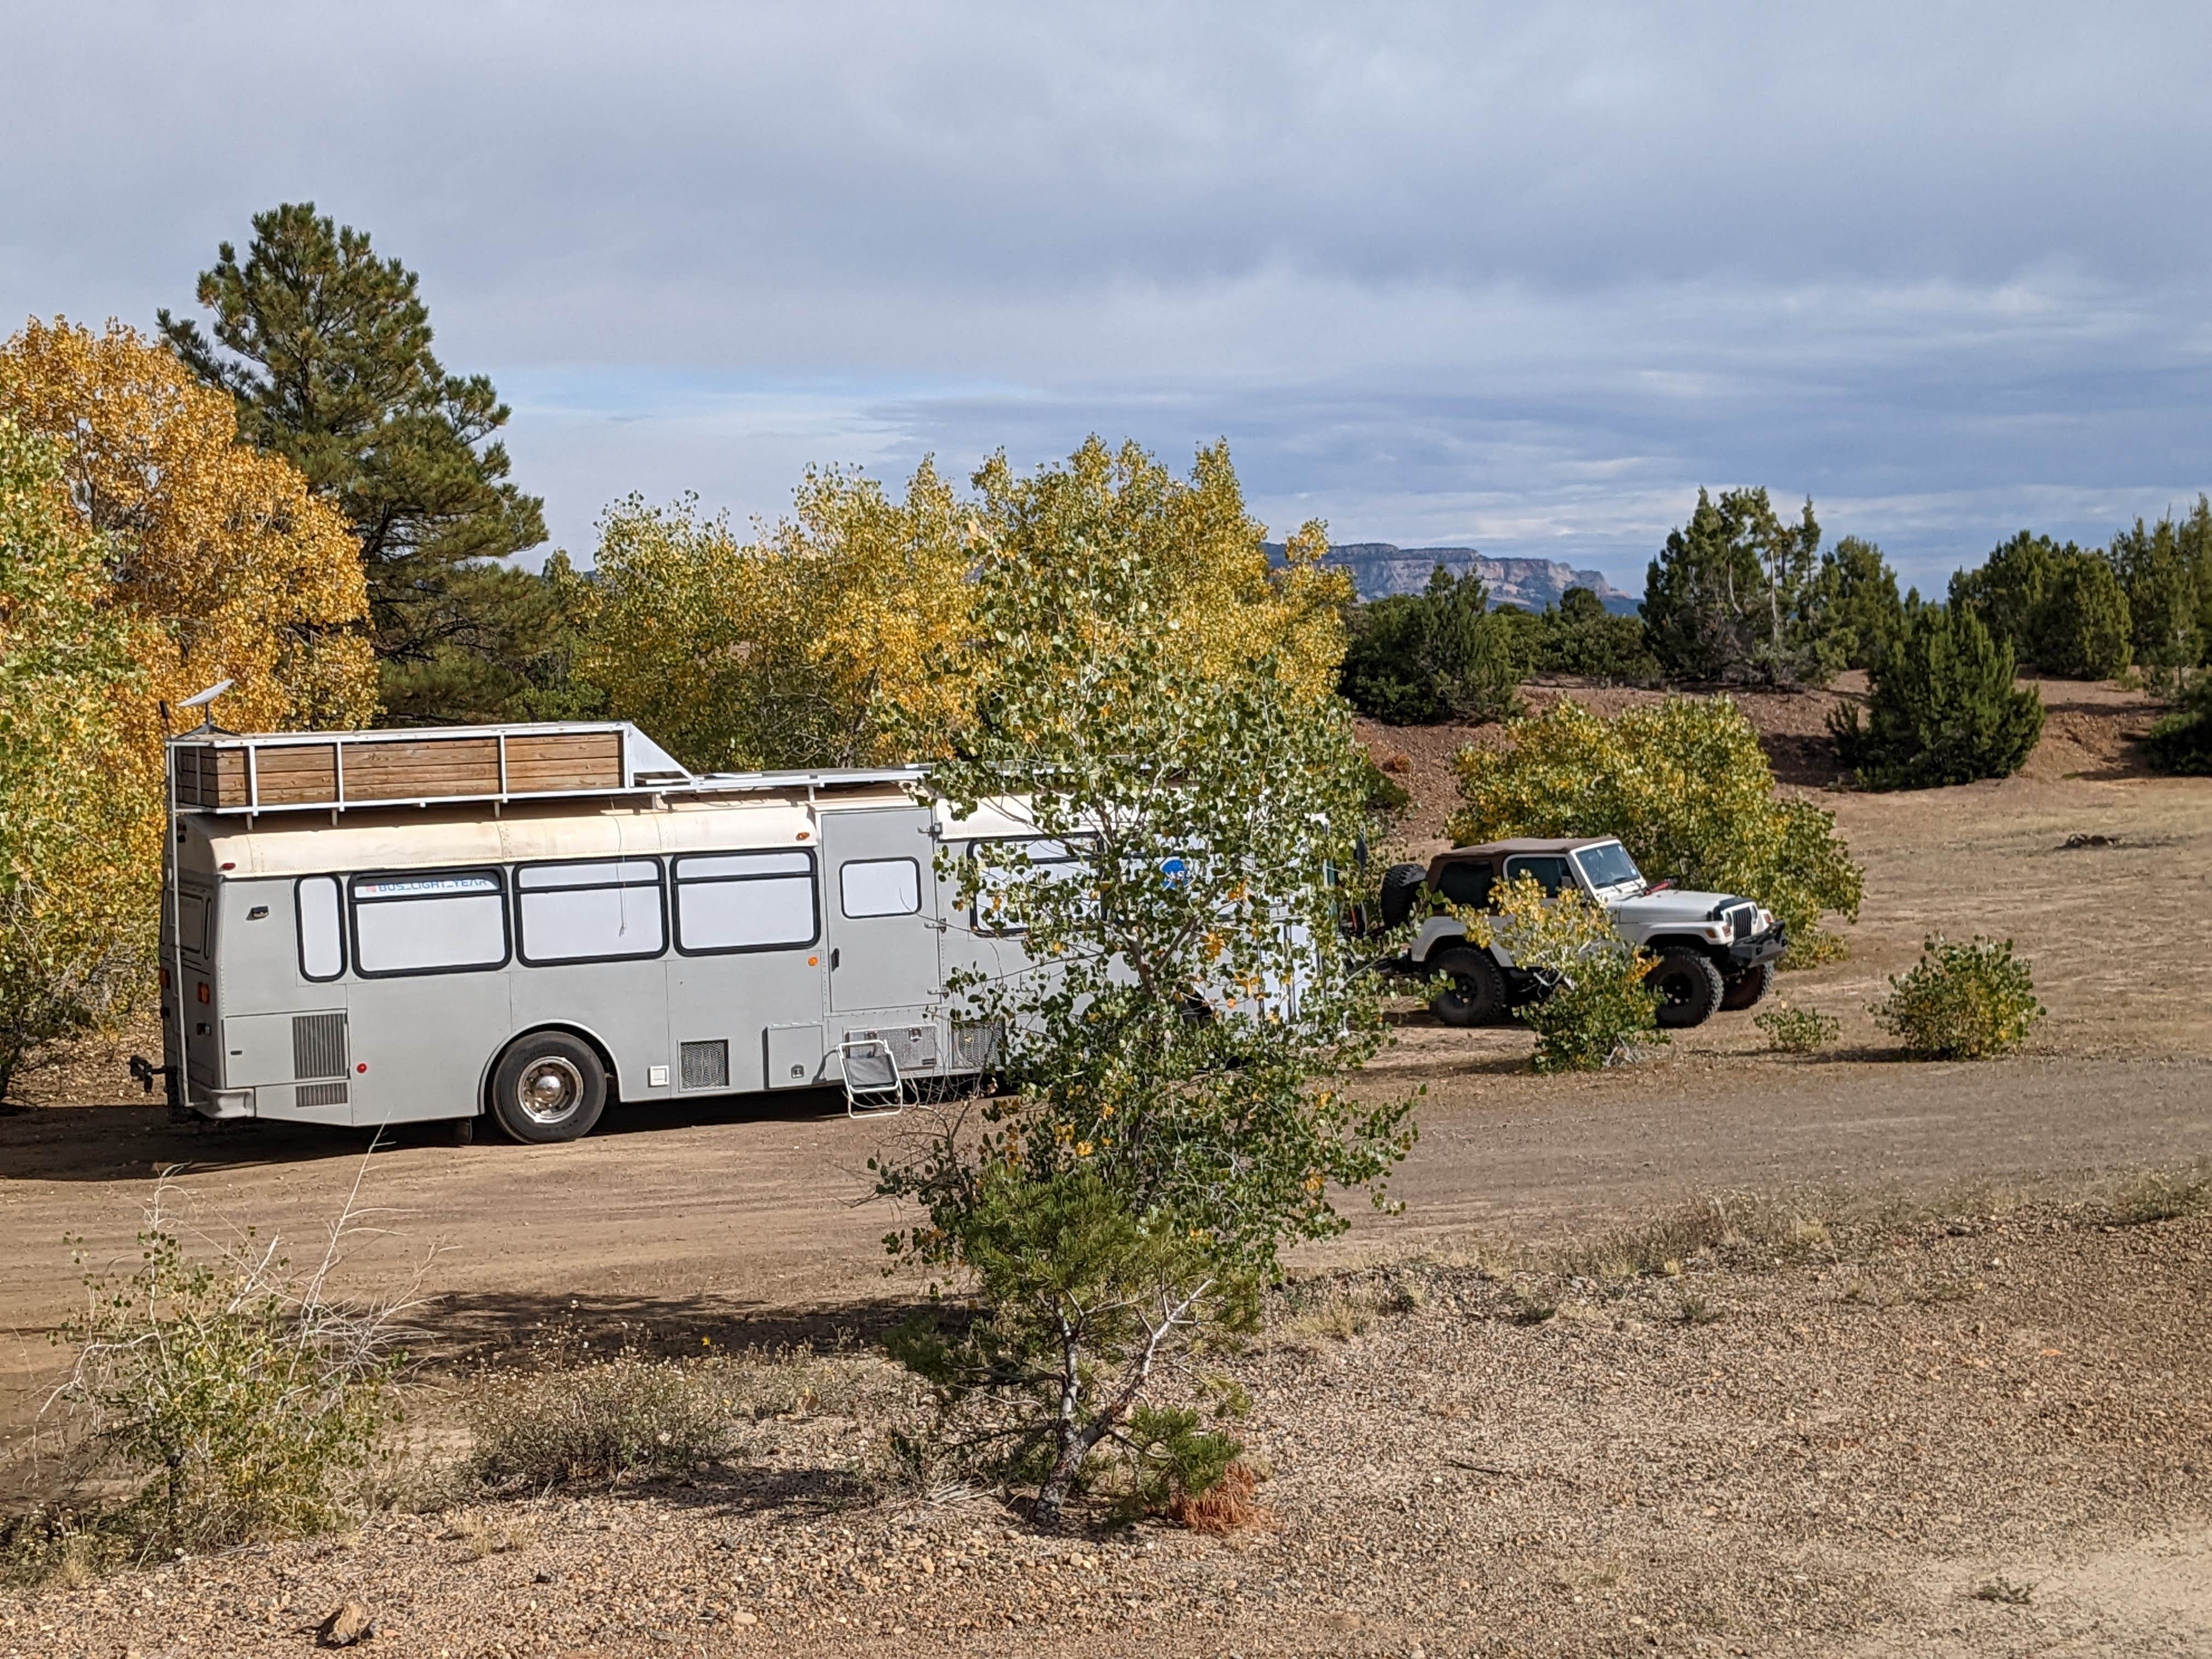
(296,1064)
(913,1048)
(794,1057)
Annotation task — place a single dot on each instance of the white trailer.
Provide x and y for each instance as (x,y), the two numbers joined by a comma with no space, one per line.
(537,922)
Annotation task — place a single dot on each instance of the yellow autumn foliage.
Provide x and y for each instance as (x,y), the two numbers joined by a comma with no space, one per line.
(845,634)
(1200,545)
(229,566)
(833,638)
(144,554)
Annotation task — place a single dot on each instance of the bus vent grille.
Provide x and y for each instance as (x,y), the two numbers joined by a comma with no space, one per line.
(320,1094)
(318,1045)
(707,1065)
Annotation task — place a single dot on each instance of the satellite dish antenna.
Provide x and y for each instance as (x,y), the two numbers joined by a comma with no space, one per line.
(206,700)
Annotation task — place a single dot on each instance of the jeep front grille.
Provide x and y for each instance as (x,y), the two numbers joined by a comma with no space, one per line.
(1743,915)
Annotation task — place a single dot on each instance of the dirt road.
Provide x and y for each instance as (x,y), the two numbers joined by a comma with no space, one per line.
(731,1219)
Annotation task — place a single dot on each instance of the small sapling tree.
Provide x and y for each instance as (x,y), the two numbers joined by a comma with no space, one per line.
(1598,1009)
(1176,1006)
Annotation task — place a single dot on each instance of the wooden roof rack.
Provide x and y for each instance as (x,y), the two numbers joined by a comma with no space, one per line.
(225,772)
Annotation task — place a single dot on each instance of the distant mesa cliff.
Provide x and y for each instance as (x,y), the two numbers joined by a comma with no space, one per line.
(1382,568)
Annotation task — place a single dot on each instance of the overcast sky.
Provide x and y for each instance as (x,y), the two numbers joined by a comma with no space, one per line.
(1522,276)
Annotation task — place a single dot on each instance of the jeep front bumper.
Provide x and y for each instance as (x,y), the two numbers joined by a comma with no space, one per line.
(1747,953)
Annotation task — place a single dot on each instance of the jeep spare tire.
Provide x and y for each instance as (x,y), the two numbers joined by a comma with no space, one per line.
(1402,887)
(1476,994)
(1688,985)
(1747,987)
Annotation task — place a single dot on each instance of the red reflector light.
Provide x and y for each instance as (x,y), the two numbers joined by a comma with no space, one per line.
(230,865)
(362,1067)
(203,991)
(164,979)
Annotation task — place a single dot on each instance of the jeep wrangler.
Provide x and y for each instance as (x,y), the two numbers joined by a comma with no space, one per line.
(1715,951)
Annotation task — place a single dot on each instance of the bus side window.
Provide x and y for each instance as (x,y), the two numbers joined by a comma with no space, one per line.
(745,902)
(322,934)
(429,922)
(589,911)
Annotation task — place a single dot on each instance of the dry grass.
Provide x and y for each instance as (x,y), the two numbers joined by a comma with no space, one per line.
(1738,1230)
(1226,1507)
(480,1535)
(2163,1195)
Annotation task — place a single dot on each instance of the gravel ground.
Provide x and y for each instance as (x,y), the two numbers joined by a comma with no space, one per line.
(1491,1455)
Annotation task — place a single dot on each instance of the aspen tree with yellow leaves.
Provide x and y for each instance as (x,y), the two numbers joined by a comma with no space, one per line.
(847,634)
(147,554)
(237,570)
(836,637)
(78,863)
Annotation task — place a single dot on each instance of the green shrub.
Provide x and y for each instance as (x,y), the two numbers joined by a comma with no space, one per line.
(2181,741)
(1686,787)
(1944,708)
(232,1403)
(1598,1009)
(1798,1031)
(1580,636)
(1971,1001)
(1413,660)
(624,1419)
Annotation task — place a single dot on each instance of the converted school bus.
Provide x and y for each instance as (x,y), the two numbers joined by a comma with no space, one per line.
(380,928)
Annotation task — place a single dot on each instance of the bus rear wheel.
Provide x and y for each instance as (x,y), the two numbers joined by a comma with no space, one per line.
(549,1087)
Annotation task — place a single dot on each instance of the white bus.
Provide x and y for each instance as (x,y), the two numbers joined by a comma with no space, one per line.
(536,922)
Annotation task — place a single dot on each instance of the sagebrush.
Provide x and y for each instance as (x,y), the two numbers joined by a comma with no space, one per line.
(1961,1001)
(1798,1031)
(225,1398)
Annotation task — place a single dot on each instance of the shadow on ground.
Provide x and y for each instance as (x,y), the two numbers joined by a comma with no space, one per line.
(128,1139)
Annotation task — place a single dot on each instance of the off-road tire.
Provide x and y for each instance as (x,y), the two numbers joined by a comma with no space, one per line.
(1689,987)
(1745,990)
(548,1086)
(1476,996)
(1402,890)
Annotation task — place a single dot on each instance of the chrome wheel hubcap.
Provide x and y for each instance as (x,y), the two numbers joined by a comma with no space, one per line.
(550,1089)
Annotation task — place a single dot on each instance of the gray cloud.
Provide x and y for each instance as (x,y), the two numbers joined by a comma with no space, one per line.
(1488,273)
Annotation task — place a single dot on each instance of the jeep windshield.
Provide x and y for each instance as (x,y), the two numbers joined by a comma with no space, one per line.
(1608,864)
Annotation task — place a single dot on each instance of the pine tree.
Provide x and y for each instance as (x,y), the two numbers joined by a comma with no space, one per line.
(2080,631)
(326,349)
(1859,612)
(1944,708)
(2162,597)
(2006,590)
(1731,595)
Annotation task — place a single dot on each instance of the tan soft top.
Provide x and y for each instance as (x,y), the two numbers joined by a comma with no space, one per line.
(1526,844)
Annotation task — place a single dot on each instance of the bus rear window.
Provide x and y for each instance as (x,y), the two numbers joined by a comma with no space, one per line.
(322,931)
(428,921)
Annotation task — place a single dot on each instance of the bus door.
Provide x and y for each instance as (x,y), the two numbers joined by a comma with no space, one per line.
(883,936)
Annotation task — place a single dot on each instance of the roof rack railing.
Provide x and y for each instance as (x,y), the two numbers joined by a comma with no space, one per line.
(223,772)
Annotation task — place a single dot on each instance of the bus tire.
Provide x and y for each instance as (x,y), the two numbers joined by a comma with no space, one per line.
(548,1086)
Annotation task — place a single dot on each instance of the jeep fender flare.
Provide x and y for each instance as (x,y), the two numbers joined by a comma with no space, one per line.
(1437,934)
